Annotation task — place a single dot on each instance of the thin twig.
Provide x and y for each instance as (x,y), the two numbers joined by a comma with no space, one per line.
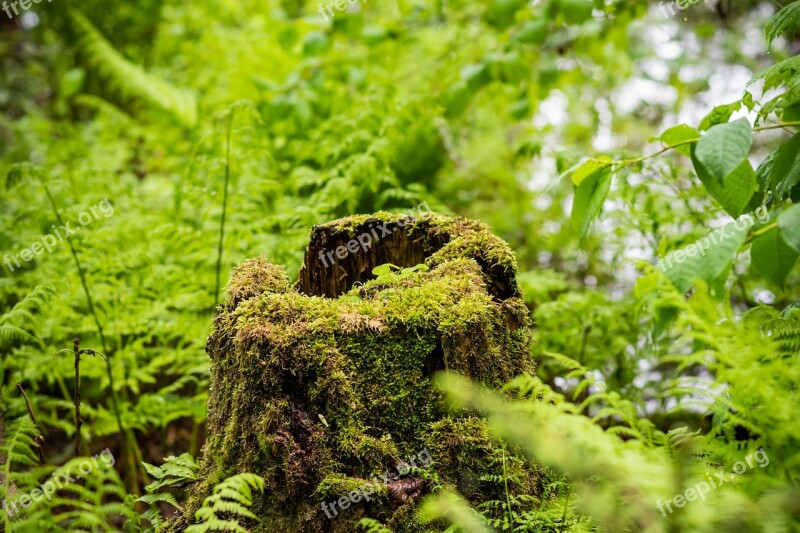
(224,206)
(76,343)
(39,438)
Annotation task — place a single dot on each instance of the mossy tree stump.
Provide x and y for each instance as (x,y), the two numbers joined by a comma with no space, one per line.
(321,386)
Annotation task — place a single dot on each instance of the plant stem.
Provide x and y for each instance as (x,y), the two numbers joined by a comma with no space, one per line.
(629,162)
(566,507)
(76,343)
(127,442)
(508,500)
(40,438)
(224,206)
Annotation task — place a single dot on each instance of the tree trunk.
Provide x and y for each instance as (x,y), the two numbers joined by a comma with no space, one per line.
(325,389)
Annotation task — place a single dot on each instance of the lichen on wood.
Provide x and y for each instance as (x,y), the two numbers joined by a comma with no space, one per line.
(319,386)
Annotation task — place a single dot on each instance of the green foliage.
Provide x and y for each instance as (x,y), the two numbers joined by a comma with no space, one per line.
(17,452)
(129,79)
(455,510)
(175,472)
(228,504)
(786,20)
(226,130)
(388,273)
(724,148)
(93,501)
(24,314)
(589,198)
(373,526)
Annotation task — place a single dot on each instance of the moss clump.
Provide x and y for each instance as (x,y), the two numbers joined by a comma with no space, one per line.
(319,395)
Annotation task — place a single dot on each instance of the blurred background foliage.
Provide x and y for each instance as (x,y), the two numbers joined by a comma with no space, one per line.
(285,119)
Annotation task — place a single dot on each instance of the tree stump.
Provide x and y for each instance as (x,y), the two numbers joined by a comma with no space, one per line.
(324,389)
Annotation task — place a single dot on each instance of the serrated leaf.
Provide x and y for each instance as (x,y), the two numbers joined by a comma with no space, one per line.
(785,171)
(735,191)
(589,199)
(723,149)
(789,225)
(779,74)
(762,183)
(772,258)
(720,115)
(785,20)
(678,135)
(708,258)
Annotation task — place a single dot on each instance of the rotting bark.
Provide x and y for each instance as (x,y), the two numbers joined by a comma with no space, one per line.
(401,241)
(320,386)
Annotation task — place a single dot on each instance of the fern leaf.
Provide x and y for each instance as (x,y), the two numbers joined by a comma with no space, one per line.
(232,498)
(130,79)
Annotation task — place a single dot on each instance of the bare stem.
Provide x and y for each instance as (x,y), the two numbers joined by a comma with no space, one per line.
(76,343)
(39,438)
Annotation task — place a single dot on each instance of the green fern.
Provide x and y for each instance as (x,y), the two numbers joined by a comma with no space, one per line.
(176,471)
(130,79)
(230,501)
(24,314)
(17,452)
(90,496)
(785,331)
(371,525)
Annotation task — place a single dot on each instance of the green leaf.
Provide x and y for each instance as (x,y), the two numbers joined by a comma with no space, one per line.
(708,258)
(735,192)
(779,74)
(457,98)
(785,20)
(789,225)
(315,43)
(501,13)
(589,167)
(476,75)
(724,148)
(513,69)
(772,258)
(533,32)
(785,171)
(589,198)
(678,135)
(576,11)
(762,182)
(720,115)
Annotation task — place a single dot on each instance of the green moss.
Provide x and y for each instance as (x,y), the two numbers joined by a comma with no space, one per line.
(255,276)
(317,395)
(337,485)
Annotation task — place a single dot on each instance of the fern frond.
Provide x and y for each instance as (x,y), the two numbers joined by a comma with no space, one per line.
(17,450)
(175,471)
(94,500)
(130,79)
(371,525)
(13,333)
(232,497)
